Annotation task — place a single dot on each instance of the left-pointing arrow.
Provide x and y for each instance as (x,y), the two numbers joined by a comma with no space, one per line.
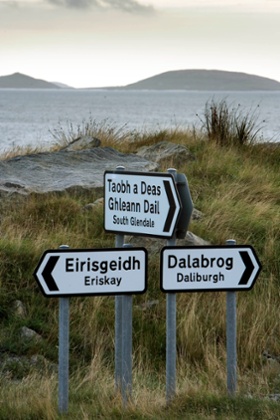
(47,273)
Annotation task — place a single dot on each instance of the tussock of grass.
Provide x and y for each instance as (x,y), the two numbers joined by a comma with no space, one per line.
(237,189)
(227,125)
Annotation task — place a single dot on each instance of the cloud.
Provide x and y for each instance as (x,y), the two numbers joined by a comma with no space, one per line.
(131,6)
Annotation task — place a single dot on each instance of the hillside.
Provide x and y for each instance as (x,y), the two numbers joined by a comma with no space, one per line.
(236,190)
(21,81)
(212,80)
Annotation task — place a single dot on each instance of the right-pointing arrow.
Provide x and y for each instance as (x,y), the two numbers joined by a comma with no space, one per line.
(47,274)
(172,206)
(249,267)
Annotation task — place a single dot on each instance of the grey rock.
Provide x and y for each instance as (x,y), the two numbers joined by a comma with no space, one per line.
(274,397)
(97,203)
(154,245)
(15,368)
(167,153)
(65,170)
(197,214)
(19,309)
(270,357)
(83,142)
(29,334)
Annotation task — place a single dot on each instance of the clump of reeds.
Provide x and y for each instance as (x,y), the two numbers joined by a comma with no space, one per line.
(230,126)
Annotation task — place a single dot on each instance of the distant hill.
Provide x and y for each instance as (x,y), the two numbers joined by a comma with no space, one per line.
(21,81)
(213,80)
(62,85)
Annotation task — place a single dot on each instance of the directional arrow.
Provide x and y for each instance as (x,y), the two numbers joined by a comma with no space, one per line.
(172,206)
(249,267)
(209,268)
(47,273)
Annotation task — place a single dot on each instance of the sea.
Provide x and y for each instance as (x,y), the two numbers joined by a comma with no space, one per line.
(32,118)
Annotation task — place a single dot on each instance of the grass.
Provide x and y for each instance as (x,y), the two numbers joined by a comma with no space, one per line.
(237,189)
(227,125)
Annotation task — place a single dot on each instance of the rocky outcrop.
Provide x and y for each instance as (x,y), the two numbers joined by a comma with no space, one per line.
(65,170)
(154,245)
(166,153)
(81,165)
(82,142)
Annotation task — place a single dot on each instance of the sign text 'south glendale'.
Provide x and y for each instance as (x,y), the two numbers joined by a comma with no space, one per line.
(208,268)
(139,203)
(92,272)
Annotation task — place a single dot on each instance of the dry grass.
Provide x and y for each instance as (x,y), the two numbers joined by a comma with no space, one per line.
(238,192)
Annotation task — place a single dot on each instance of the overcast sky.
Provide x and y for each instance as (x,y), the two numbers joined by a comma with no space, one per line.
(94,43)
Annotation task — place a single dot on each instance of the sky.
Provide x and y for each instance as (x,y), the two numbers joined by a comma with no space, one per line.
(98,43)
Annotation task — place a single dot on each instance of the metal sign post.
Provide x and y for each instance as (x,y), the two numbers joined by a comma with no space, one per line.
(63,352)
(126,386)
(171,327)
(63,355)
(231,337)
(119,241)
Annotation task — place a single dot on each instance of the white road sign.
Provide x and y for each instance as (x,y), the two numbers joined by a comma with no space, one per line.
(139,203)
(67,272)
(194,269)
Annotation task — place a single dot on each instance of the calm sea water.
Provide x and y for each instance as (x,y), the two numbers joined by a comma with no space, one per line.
(28,117)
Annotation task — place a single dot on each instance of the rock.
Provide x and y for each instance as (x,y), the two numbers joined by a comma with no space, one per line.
(97,203)
(18,367)
(83,142)
(19,309)
(270,357)
(154,245)
(166,153)
(197,214)
(65,170)
(274,397)
(29,334)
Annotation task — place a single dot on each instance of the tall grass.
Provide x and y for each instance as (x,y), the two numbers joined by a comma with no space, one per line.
(106,131)
(237,189)
(230,126)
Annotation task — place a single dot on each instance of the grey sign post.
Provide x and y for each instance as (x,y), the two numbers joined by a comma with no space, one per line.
(171,327)
(63,352)
(126,345)
(231,338)
(119,241)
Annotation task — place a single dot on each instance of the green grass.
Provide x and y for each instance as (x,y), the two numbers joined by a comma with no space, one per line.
(237,189)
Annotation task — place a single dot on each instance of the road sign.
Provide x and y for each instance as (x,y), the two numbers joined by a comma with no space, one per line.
(139,203)
(212,268)
(70,272)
